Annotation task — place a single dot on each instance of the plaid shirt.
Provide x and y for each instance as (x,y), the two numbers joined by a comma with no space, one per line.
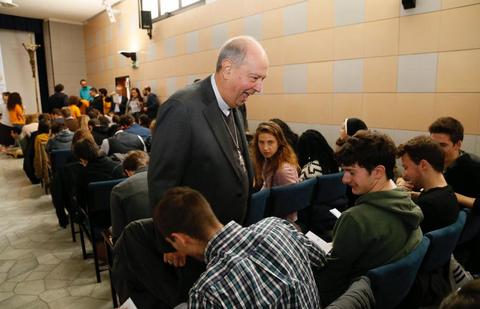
(266,265)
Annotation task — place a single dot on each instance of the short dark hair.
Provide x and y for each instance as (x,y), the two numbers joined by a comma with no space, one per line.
(58,126)
(126,120)
(82,80)
(104,121)
(423,148)
(147,88)
(86,149)
(56,111)
(135,159)
(66,111)
(144,120)
(58,88)
(94,122)
(368,149)
(93,89)
(184,210)
(103,91)
(43,126)
(73,100)
(450,126)
(93,113)
(466,297)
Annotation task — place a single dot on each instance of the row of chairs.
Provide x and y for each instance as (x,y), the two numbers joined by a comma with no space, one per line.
(313,197)
(392,282)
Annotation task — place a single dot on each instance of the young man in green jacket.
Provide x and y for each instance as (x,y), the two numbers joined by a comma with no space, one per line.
(381,228)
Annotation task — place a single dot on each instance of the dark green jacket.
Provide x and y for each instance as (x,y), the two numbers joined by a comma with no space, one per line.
(382,227)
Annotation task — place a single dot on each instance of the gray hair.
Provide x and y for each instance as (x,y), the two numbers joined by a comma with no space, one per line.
(235,50)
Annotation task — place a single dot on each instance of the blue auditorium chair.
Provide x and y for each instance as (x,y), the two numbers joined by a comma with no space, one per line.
(97,216)
(257,207)
(390,283)
(290,198)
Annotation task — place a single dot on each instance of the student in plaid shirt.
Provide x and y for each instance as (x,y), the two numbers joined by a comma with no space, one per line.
(268,264)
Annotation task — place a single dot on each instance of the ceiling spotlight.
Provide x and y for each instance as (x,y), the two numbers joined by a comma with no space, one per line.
(131,55)
(8,4)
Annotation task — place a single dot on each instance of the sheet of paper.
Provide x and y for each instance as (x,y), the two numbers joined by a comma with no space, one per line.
(335,212)
(325,246)
(128,304)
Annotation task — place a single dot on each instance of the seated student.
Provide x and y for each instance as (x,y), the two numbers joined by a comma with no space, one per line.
(100,129)
(267,265)
(136,128)
(422,160)
(60,139)
(70,121)
(41,138)
(123,141)
(73,103)
(57,115)
(129,199)
(384,225)
(462,173)
(97,167)
(315,156)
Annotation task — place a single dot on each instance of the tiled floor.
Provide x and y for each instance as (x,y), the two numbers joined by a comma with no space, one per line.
(40,266)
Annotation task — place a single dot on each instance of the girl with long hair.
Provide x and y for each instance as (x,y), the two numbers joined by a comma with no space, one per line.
(135,105)
(274,160)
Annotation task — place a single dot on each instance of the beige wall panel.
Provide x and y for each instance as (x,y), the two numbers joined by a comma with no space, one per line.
(180,45)
(263,107)
(272,24)
(380,74)
(273,4)
(182,81)
(381,38)
(273,84)
(378,110)
(348,42)
(276,50)
(320,14)
(459,71)
(309,108)
(419,33)
(152,69)
(226,10)
(459,28)
(309,47)
(252,7)
(205,39)
(381,9)
(236,28)
(320,77)
(347,105)
(415,111)
(162,90)
(463,106)
(448,4)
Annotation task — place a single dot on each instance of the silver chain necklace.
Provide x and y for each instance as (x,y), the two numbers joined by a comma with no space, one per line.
(235,141)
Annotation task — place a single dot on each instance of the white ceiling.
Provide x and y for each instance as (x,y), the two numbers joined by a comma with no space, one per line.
(74,11)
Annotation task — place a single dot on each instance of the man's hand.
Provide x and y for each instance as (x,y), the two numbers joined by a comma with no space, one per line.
(404,184)
(176,259)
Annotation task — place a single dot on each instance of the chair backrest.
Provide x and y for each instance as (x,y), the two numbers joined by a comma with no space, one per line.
(442,244)
(98,201)
(390,283)
(330,190)
(59,158)
(472,227)
(291,198)
(258,206)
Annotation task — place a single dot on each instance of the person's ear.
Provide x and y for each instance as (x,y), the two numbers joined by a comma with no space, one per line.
(178,239)
(227,65)
(457,146)
(423,164)
(379,172)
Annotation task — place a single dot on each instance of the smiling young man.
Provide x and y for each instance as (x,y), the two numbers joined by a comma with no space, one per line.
(381,228)
(422,160)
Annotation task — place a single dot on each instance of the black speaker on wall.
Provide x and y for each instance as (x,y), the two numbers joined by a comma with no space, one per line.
(146,21)
(409,4)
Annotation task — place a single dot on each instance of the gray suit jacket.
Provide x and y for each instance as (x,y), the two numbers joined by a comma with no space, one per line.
(129,202)
(191,147)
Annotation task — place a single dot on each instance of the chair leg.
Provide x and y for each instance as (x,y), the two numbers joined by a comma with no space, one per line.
(112,289)
(95,255)
(72,228)
(82,243)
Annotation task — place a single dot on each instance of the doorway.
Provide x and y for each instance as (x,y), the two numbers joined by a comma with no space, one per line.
(124,82)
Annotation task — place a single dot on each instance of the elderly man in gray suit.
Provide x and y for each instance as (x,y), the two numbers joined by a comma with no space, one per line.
(200,141)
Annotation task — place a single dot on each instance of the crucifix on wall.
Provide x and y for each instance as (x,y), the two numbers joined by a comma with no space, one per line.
(31,48)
